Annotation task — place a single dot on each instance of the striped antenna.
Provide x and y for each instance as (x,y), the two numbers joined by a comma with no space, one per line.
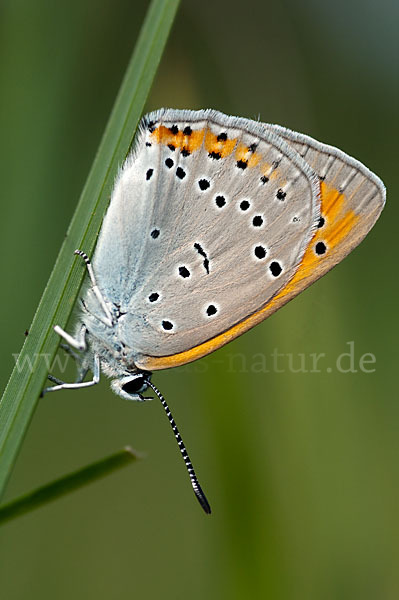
(193,478)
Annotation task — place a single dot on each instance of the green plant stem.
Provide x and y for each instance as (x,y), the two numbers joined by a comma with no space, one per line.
(27,380)
(66,484)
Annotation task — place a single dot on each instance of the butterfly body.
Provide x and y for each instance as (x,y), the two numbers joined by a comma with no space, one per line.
(214,223)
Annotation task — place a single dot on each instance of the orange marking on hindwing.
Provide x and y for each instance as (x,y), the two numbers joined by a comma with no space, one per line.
(194,141)
(163,135)
(251,158)
(338,223)
(222,147)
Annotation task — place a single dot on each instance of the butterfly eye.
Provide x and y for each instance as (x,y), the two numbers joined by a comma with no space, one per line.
(135,385)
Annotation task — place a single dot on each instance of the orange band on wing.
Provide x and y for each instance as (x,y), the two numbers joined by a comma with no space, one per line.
(222,148)
(245,154)
(191,143)
(338,223)
(216,145)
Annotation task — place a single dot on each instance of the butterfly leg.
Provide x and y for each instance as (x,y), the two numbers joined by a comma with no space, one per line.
(69,351)
(79,343)
(108,317)
(81,366)
(61,385)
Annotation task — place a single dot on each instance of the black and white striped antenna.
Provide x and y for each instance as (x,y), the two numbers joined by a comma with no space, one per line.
(193,478)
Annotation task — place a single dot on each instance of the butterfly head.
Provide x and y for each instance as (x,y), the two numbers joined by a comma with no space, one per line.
(131,387)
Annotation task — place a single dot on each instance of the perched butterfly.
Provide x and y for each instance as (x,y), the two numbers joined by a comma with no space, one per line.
(214,223)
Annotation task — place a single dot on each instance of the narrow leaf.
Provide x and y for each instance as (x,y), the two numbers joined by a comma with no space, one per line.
(28,377)
(66,484)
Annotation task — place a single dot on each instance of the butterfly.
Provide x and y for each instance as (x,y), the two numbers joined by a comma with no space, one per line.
(214,223)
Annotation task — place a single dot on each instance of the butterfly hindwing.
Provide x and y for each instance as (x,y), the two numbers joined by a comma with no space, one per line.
(351,199)
(351,196)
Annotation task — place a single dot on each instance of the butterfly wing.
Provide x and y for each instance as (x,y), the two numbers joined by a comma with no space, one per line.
(352,198)
(209,220)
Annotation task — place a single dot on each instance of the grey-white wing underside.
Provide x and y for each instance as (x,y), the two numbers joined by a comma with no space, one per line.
(344,179)
(199,236)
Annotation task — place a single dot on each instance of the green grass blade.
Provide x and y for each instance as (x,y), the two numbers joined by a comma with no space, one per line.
(27,380)
(66,484)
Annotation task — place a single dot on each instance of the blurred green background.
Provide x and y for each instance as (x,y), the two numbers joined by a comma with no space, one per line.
(301,468)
